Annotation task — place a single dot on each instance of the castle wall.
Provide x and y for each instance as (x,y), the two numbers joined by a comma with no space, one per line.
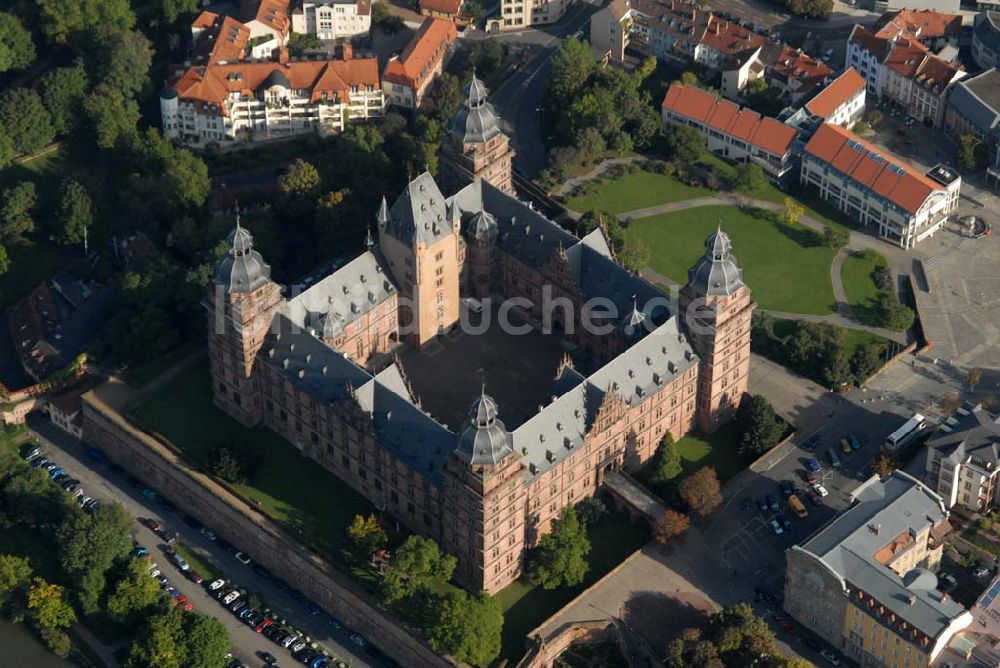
(371,333)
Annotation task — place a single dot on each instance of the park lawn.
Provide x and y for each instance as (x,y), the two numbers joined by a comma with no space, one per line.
(717,450)
(526,606)
(141,374)
(636,190)
(288,487)
(862,293)
(786,267)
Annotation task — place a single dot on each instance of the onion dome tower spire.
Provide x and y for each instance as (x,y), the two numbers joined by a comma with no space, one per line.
(485,440)
(242,269)
(717,272)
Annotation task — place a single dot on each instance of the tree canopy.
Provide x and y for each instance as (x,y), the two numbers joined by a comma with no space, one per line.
(63,20)
(666,462)
(26,120)
(63,90)
(700,491)
(466,627)
(17,51)
(89,544)
(560,558)
(757,425)
(414,566)
(74,213)
(733,638)
(367,535)
(134,596)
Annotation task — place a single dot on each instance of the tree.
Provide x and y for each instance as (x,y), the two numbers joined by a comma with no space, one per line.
(446,96)
(111,115)
(228,466)
(591,511)
(74,213)
(89,543)
(160,643)
(134,596)
(572,65)
(866,360)
(671,525)
(560,559)
(884,463)
(487,57)
(973,152)
(812,8)
(30,498)
(417,564)
(834,237)
(949,403)
(792,211)
(15,212)
(748,177)
(367,535)
(740,636)
(466,627)
(973,378)
(17,51)
(590,144)
(63,90)
(301,179)
(892,314)
(185,175)
(62,20)
(15,575)
(689,78)
(686,145)
(206,640)
(47,608)
(174,9)
(26,120)
(125,63)
(874,117)
(666,462)
(757,425)
(7,149)
(763,98)
(700,491)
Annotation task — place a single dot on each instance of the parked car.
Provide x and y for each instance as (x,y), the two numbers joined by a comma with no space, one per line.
(816,499)
(785,522)
(230,597)
(242,558)
(830,656)
(855,441)
(786,487)
(194,576)
(29,450)
(208,533)
(981,572)
(772,503)
(811,443)
(809,477)
(180,562)
(786,626)
(947,581)
(237,605)
(39,463)
(150,524)
(762,504)
(845,445)
(813,465)
(776,528)
(289,641)
(819,489)
(268,658)
(262,625)
(215,584)
(358,639)
(834,459)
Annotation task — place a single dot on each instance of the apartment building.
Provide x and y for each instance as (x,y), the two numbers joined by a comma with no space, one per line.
(520,14)
(449,10)
(738,134)
(899,67)
(332,19)
(986,39)
(865,582)
(974,107)
(408,77)
(793,73)
(842,102)
(878,189)
(244,101)
(963,459)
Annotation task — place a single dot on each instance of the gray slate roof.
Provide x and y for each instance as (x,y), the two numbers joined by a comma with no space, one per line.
(977,99)
(975,436)
(484,439)
(345,295)
(242,269)
(476,120)
(716,272)
(848,544)
(418,215)
(987,30)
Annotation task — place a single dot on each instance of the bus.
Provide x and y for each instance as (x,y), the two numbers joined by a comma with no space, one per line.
(907,432)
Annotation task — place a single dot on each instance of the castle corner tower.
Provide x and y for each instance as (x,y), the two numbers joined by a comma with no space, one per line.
(474,147)
(715,307)
(241,303)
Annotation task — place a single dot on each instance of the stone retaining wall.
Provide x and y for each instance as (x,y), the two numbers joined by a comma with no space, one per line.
(543,653)
(230,517)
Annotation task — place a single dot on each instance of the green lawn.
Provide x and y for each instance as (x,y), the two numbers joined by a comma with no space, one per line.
(862,293)
(141,374)
(206,568)
(525,606)
(717,450)
(786,267)
(287,486)
(637,190)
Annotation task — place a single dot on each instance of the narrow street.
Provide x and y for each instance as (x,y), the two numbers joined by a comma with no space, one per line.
(102,482)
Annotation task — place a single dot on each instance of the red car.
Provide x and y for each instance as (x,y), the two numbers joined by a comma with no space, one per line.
(150,524)
(810,477)
(193,576)
(786,626)
(264,623)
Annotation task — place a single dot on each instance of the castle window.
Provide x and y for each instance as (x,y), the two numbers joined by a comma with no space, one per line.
(394,497)
(410,508)
(427,519)
(345,460)
(362,473)
(314,437)
(222,387)
(270,406)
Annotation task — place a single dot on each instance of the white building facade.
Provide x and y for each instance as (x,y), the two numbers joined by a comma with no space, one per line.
(332,19)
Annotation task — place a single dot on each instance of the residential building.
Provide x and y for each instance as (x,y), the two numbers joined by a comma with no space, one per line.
(408,77)
(974,107)
(266,19)
(793,73)
(332,19)
(878,189)
(319,368)
(521,14)
(865,582)
(738,134)
(950,6)
(218,39)
(449,10)
(842,102)
(933,29)
(963,459)
(899,68)
(986,39)
(474,147)
(66,408)
(244,101)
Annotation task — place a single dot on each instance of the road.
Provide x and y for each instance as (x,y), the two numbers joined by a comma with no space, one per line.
(102,482)
(518,99)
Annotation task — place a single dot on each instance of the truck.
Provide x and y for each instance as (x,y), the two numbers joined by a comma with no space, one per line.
(795,503)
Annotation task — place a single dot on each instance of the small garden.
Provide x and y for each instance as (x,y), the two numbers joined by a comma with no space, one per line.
(868,283)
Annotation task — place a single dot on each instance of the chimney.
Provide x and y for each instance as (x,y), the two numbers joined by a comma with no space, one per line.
(346,51)
(283,56)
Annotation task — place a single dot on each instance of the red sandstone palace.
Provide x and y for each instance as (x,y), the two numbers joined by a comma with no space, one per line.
(320,369)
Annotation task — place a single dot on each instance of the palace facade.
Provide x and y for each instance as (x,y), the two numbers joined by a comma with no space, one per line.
(319,367)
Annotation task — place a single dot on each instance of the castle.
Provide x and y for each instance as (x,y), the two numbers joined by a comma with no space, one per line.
(322,369)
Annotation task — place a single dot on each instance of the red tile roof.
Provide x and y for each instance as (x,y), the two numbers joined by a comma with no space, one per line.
(422,54)
(205,20)
(212,84)
(448,7)
(843,88)
(910,59)
(913,24)
(883,173)
(795,65)
(223,40)
(728,37)
(696,104)
(870,42)
(272,13)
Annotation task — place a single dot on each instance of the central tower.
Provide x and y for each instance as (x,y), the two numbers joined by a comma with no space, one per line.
(475,148)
